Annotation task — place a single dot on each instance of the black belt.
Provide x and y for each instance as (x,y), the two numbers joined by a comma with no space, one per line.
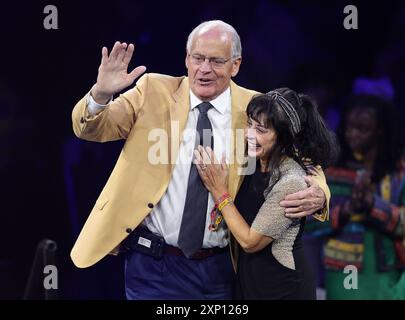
(145,241)
(198,255)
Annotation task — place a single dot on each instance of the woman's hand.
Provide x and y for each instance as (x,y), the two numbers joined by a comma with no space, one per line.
(214,174)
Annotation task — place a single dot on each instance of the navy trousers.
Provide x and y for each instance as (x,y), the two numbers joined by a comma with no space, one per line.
(178,278)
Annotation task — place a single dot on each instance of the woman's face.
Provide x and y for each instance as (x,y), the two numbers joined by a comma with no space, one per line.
(259,139)
(361,129)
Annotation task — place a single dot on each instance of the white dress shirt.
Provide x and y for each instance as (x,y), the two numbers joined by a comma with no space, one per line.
(165,218)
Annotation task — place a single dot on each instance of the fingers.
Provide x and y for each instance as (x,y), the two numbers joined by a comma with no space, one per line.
(291,203)
(211,154)
(200,163)
(201,167)
(307,205)
(128,54)
(309,180)
(137,72)
(104,55)
(202,174)
(197,157)
(223,158)
(115,51)
(223,162)
(298,215)
(298,209)
(204,154)
(200,171)
(296,196)
(122,52)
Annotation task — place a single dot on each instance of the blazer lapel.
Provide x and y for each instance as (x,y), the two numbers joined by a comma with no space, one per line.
(179,111)
(239,102)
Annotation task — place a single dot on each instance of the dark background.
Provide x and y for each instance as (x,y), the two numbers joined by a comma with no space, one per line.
(50,179)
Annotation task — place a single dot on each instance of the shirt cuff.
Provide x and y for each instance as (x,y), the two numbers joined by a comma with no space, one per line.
(93,107)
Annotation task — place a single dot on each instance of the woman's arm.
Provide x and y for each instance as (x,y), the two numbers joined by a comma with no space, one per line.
(249,239)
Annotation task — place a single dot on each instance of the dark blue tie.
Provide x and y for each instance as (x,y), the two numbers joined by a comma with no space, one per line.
(192,228)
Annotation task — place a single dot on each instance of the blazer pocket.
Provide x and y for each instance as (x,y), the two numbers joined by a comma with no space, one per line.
(101,202)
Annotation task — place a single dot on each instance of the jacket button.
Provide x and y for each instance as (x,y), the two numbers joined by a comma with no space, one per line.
(82,120)
(128,230)
(150,205)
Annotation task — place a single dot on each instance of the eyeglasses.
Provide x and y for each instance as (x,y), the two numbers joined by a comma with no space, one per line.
(215,62)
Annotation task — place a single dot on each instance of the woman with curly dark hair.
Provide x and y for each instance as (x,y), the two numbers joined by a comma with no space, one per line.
(288,138)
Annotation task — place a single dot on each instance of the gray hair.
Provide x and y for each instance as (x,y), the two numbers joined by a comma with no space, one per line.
(223,26)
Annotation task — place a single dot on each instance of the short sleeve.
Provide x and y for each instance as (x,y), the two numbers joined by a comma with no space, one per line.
(271,220)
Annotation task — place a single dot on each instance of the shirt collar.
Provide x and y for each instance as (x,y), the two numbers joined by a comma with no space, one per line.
(220,103)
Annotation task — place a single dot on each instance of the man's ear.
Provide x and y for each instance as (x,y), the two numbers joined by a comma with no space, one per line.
(186,60)
(235,66)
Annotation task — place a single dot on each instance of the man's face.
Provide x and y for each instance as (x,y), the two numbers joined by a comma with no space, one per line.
(209,79)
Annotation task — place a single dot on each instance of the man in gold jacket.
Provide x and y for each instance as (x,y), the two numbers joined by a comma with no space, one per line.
(144,198)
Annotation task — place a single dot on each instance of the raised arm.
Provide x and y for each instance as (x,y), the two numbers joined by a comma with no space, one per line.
(113,73)
(110,121)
